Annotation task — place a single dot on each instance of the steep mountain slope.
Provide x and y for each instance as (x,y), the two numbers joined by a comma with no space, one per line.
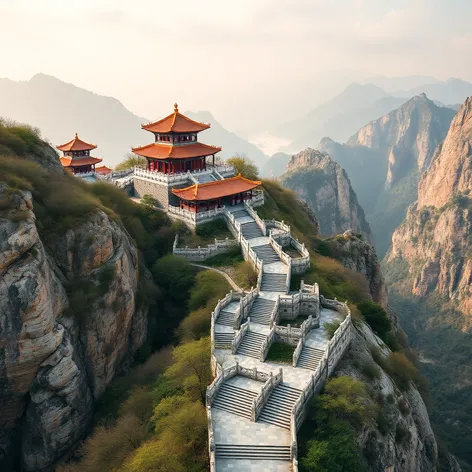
(339,117)
(325,187)
(429,270)
(60,109)
(72,311)
(385,158)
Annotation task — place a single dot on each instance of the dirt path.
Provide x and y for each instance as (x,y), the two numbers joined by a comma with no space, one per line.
(233,284)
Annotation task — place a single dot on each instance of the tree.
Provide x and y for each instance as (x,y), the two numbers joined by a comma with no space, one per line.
(130,161)
(244,166)
(192,368)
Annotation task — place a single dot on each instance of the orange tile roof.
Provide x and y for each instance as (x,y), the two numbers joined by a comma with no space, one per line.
(103,170)
(68,161)
(217,189)
(76,145)
(182,151)
(175,123)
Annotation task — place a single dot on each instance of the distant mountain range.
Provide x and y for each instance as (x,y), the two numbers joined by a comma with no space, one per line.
(386,157)
(60,109)
(358,104)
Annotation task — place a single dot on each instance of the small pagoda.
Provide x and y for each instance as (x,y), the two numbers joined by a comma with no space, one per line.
(211,195)
(176,148)
(77,158)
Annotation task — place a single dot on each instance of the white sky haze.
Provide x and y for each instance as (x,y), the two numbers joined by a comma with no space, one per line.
(231,57)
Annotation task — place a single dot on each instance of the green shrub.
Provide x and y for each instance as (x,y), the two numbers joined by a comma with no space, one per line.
(402,434)
(331,327)
(280,352)
(209,285)
(370,370)
(376,317)
(401,370)
(384,422)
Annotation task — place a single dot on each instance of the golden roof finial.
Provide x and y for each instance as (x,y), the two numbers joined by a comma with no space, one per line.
(176,108)
(76,134)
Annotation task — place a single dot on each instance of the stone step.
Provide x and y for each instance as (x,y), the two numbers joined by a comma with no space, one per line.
(226,318)
(252,452)
(235,400)
(240,214)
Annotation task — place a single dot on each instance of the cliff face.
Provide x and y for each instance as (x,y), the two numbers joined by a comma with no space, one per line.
(434,238)
(382,448)
(325,187)
(450,172)
(53,362)
(385,158)
(429,274)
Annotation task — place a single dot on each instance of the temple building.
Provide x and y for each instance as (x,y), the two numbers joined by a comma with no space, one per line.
(182,174)
(213,195)
(77,158)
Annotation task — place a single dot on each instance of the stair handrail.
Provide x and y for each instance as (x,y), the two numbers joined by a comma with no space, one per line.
(289,277)
(274,316)
(245,304)
(259,221)
(284,257)
(298,351)
(307,325)
(266,344)
(239,335)
(261,399)
(211,440)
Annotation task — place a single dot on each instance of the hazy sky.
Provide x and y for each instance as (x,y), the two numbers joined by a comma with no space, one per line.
(237,59)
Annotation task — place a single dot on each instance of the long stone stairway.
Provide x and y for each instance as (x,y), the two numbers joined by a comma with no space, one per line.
(310,358)
(279,406)
(266,253)
(251,344)
(252,452)
(240,444)
(261,310)
(235,400)
(273,282)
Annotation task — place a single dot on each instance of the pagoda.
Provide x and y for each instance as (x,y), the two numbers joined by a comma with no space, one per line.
(176,148)
(77,158)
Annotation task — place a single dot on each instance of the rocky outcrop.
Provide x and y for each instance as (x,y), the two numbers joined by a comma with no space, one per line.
(358,255)
(385,159)
(450,172)
(54,358)
(325,187)
(384,449)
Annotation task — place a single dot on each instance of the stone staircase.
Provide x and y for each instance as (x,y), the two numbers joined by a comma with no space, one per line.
(235,400)
(279,405)
(266,253)
(310,358)
(251,230)
(274,282)
(240,214)
(261,310)
(251,344)
(252,452)
(226,318)
(223,340)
